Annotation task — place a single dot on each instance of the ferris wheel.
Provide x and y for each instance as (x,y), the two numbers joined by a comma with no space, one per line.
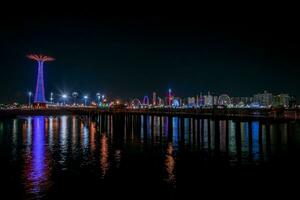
(224,100)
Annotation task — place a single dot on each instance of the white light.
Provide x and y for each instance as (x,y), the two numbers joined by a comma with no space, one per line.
(85,97)
(64,96)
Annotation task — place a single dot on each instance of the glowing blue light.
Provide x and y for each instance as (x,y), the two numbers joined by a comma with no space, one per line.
(85,99)
(40,90)
(98,96)
(255,105)
(146,100)
(175,132)
(64,96)
(176,103)
(255,135)
(37,174)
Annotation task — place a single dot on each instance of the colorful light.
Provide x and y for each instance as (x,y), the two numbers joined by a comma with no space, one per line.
(170,97)
(29,98)
(36,168)
(51,97)
(85,99)
(146,100)
(39,97)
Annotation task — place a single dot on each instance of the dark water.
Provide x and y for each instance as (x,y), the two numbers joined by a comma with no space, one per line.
(145,156)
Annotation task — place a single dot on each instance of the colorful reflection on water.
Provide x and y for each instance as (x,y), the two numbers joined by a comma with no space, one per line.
(103,146)
(37,164)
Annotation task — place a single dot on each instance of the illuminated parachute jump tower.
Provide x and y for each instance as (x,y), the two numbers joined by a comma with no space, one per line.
(39,97)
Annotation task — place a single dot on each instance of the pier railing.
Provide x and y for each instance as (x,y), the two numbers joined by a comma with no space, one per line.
(289,114)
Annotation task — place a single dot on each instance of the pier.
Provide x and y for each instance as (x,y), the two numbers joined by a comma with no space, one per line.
(218,113)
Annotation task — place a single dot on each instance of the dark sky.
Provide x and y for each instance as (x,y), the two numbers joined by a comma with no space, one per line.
(132,56)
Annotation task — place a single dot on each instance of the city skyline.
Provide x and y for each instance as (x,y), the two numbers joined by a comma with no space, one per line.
(185,103)
(133,56)
(156,100)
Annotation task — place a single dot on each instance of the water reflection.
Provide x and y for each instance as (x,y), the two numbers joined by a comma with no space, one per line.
(103,143)
(64,132)
(170,165)
(223,136)
(28,133)
(175,132)
(232,146)
(85,138)
(51,132)
(37,164)
(118,158)
(1,132)
(104,155)
(255,141)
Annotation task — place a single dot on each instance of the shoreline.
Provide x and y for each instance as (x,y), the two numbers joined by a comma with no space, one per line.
(215,113)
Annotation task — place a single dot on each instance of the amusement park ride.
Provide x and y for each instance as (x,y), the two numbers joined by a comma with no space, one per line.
(39,97)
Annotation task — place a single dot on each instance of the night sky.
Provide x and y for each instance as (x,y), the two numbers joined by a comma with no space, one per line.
(133,56)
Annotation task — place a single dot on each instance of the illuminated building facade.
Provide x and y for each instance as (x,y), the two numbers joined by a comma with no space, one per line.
(208,100)
(201,100)
(170,97)
(154,99)
(191,102)
(281,100)
(264,99)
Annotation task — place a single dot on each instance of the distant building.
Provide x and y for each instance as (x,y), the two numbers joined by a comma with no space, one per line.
(191,102)
(215,100)
(246,100)
(160,101)
(281,100)
(154,99)
(292,101)
(201,100)
(241,101)
(264,99)
(170,97)
(208,100)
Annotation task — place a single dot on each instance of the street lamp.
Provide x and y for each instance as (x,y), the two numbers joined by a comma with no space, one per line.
(75,95)
(51,97)
(64,96)
(98,97)
(85,99)
(29,99)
